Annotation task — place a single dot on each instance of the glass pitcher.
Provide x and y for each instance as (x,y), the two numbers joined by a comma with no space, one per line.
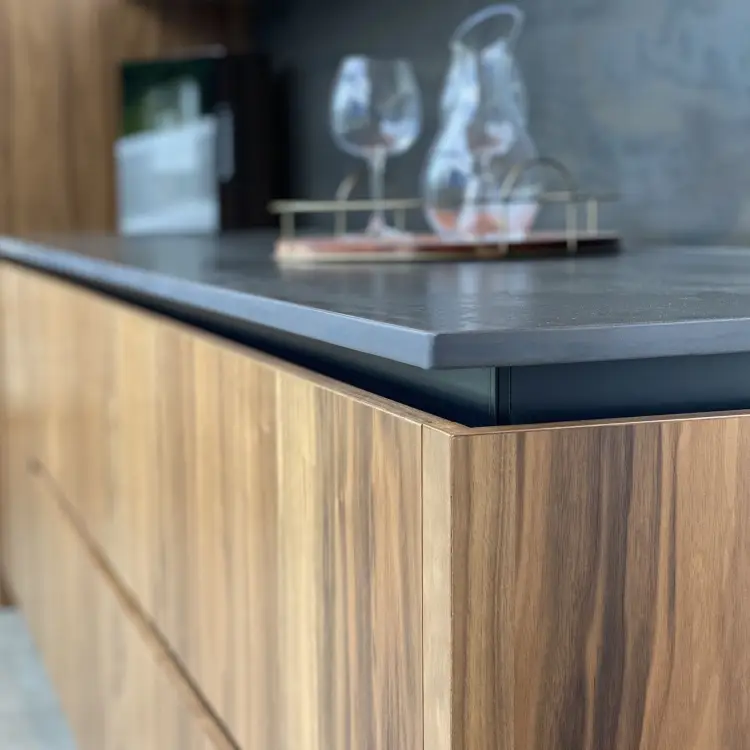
(483,136)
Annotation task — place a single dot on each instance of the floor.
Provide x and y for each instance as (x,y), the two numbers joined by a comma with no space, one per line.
(30,717)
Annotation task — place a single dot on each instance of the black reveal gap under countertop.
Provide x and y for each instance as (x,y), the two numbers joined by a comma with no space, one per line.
(647,302)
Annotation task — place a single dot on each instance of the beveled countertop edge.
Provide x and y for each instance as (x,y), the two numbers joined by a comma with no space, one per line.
(425,350)
(400,344)
(581,344)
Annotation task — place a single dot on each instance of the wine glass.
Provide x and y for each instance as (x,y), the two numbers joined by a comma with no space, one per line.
(376,112)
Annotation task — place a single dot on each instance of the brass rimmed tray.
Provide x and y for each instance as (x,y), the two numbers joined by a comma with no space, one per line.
(578,237)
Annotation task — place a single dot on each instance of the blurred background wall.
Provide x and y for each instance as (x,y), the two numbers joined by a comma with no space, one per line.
(59,95)
(647,97)
(650,98)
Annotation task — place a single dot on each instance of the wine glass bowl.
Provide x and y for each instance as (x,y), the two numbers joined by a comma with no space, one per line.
(376,113)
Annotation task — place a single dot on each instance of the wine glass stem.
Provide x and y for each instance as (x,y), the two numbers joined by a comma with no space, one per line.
(377,177)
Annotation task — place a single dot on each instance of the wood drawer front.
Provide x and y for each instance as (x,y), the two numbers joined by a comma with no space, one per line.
(268,523)
(118,689)
(336,573)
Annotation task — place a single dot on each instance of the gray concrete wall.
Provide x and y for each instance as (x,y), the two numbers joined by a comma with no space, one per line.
(647,97)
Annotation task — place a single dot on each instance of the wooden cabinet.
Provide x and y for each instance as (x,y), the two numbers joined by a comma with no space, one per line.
(315,568)
(267,522)
(596,594)
(114,679)
(115,685)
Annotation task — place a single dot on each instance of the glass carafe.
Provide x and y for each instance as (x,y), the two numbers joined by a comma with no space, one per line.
(483,136)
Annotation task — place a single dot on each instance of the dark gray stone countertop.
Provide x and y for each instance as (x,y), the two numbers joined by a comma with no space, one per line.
(646,302)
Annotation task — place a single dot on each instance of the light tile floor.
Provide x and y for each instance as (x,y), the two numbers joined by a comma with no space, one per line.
(30,716)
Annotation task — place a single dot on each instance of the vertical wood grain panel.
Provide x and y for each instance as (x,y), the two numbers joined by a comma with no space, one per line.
(268,523)
(6,131)
(172,491)
(599,586)
(20,409)
(136,457)
(332,572)
(249,454)
(75,376)
(38,149)
(89,95)
(483,552)
(5,510)
(59,82)
(117,686)
(350,573)
(437,595)
(193,452)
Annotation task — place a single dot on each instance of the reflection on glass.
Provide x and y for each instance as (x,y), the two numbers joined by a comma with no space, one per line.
(483,138)
(376,112)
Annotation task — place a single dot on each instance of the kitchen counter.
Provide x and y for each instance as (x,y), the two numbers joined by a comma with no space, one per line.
(226,538)
(644,303)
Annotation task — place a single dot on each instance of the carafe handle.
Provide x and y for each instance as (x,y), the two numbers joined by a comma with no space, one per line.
(513,12)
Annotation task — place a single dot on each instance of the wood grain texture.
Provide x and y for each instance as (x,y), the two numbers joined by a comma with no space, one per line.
(267,522)
(469,561)
(59,83)
(6,189)
(599,586)
(333,571)
(437,596)
(5,597)
(350,526)
(280,527)
(118,686)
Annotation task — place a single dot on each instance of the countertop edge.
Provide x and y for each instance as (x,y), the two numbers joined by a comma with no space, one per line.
(558,346)
(421,349)
(396,343)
